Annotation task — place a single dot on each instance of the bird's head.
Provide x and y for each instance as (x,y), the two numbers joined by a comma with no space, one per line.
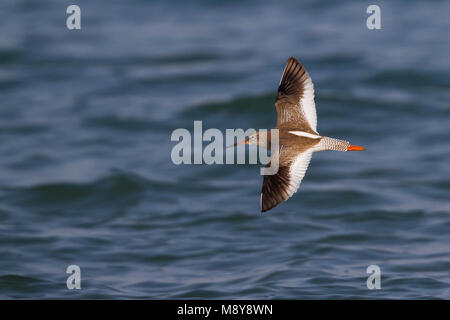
(254,139)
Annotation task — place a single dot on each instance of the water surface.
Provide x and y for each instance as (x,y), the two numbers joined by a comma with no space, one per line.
(86,176)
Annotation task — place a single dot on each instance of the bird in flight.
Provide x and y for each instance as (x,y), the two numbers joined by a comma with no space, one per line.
(298,136)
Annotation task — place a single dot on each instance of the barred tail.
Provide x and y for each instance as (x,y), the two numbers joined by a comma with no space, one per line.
(327,143)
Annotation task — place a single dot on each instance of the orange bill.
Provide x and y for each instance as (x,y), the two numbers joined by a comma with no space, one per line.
(236,144)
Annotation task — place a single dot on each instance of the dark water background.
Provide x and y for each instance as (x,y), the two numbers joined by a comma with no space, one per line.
(85,170)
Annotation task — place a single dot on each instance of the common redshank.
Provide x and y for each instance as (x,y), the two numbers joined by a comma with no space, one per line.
(298,136)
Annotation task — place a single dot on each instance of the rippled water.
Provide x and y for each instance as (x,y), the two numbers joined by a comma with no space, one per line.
(85,170)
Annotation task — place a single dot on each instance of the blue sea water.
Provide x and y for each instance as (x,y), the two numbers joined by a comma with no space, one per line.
(86,176)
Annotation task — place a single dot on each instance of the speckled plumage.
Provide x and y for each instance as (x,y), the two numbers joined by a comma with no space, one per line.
(298,137)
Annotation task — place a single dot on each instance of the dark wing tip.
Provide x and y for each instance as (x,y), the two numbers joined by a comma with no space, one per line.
(268,204)
(292,80)
(269,207)
(274,189)
(293,59)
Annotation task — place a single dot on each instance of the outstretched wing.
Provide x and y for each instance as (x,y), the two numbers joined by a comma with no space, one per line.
(281,186)
(295,99)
